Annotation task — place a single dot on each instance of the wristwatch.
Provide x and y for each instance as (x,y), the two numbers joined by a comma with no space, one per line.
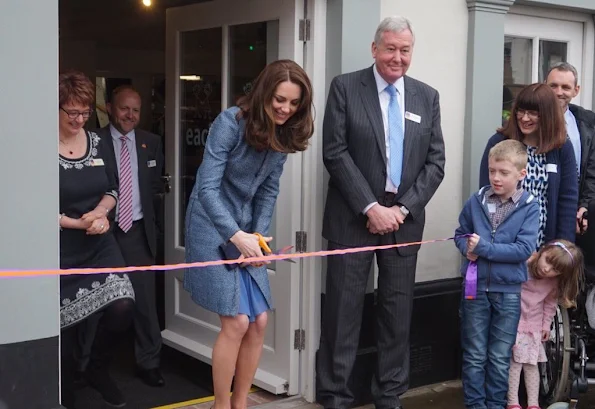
(404,210)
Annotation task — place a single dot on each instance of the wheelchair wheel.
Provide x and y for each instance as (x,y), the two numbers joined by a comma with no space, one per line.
(555,373)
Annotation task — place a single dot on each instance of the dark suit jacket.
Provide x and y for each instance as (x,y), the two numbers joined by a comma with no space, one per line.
(585,121)
(354,153)
(148,148)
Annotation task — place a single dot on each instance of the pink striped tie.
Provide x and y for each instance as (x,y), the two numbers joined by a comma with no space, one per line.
(125,197)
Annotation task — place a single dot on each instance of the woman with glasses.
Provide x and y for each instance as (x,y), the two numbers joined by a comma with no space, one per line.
(552,176)
(88,193)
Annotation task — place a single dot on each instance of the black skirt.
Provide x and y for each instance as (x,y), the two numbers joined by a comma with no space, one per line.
(84,294)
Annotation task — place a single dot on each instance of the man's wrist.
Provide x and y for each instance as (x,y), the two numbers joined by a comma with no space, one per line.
(404,210)
(368,207)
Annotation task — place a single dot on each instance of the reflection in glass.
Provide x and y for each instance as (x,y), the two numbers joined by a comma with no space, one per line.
(518,53)
(251,47)
(550,53)
(200,103)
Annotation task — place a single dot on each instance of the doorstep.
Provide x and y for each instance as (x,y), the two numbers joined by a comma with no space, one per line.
(422,398)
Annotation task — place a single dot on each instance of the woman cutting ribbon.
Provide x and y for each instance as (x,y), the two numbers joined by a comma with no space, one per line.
(234,196)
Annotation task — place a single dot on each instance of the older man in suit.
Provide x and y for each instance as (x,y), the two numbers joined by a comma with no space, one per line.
(384,151)
(138,156)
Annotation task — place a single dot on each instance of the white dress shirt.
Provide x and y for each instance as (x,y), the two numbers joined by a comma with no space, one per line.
(574,135)
(384,98)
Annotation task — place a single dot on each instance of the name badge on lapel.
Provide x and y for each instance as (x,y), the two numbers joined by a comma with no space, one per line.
(97,162)
(151,163)
(551,168)
(412,117)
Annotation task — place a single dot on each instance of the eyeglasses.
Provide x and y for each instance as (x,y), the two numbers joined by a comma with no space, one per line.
(75,114)
(520,113)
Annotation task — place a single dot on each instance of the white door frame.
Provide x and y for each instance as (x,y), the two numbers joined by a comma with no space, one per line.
(234,12)
(588,52)
(313,194)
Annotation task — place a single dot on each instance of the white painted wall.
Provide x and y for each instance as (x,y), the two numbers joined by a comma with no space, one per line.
(439,59)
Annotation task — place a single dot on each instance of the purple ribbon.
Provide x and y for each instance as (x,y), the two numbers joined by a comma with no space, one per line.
(471,281)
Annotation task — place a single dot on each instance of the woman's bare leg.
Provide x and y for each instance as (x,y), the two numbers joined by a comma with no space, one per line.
(225,355)
(248,358)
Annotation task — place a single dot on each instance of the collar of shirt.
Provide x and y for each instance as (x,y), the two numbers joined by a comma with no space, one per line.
(381,84)
(116,134)
(515,197)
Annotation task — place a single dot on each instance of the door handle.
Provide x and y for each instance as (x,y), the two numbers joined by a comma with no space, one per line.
(166,180)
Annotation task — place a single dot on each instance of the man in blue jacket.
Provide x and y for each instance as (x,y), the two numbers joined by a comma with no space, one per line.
(501,222)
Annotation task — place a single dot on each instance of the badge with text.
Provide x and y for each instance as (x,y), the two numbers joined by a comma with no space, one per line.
(152,163)
(551,168)
(97,162)
(412,117)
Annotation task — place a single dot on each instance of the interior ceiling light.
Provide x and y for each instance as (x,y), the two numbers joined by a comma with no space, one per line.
(147,3)
(190,77)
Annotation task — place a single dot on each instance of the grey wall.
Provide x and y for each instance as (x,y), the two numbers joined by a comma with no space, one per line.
(350,28)
(29,167)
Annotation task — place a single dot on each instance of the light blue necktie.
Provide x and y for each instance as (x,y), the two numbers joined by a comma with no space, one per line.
(395,136)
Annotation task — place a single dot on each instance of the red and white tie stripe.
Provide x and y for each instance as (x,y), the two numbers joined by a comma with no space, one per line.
(125,196)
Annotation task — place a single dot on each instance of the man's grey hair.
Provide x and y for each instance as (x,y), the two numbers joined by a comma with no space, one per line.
(395,24)
(564,67)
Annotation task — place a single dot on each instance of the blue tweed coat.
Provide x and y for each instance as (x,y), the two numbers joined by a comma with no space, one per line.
(236,188)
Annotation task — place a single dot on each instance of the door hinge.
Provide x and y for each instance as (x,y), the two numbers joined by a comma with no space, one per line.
(299,339)
(304,30)
(301,241)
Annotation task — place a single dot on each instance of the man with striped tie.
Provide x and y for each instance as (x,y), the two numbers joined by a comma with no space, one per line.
(138,156)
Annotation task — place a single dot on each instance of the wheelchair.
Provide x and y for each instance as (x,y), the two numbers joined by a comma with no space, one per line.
(568,372)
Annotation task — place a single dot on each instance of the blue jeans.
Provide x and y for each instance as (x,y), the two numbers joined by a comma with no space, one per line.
(488,332)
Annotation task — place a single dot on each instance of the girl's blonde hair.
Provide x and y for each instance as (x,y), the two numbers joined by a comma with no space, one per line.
(567,259)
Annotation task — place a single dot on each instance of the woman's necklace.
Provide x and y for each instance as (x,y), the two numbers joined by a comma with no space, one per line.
(67,145)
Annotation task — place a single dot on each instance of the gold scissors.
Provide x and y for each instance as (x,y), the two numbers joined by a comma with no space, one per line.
(267,250)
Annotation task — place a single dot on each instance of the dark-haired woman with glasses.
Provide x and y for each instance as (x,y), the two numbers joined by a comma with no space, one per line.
(88,192)
(552,176)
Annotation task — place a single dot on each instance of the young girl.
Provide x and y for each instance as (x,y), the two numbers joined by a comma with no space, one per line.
(556,273)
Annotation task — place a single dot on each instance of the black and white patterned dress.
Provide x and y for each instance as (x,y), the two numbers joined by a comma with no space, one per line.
(83,183)
(536,183)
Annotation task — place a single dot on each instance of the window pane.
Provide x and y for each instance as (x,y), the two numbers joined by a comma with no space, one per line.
(518,54)
(550,53)
(200,103)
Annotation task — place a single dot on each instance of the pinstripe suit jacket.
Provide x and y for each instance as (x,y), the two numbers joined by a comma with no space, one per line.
(354,154)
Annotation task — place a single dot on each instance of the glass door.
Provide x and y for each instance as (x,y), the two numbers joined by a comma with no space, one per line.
(214,51)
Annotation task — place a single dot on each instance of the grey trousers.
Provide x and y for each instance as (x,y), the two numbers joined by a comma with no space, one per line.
(346,282)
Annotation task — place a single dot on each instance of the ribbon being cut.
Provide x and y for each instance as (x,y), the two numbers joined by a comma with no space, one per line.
(4,273)
(471,281)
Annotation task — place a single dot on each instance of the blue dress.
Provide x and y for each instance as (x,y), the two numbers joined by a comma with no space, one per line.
(236,189)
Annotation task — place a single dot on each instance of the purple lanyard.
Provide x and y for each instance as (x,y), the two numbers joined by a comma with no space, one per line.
(471,281)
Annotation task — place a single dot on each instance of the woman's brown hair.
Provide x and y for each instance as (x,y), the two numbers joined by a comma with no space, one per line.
(256,108)
(567,259)
(75,87)
(552,128)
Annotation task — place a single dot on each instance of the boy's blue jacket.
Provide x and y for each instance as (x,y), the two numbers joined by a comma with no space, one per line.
(503,252)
